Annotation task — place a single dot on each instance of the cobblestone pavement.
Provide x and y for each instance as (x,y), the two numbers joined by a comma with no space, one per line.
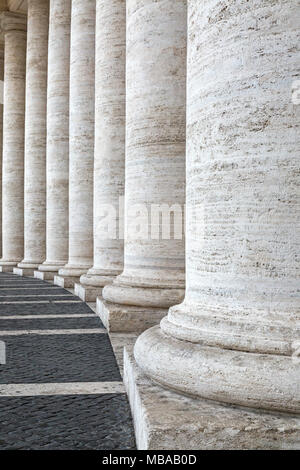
(60,386)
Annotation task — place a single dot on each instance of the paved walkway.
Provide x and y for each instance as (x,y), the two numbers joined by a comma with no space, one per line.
(60,387)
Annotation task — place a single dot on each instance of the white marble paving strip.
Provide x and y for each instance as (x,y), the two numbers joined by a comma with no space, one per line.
(29,288)
(62,315)
(73,388)
(43,302)
(22,283)
(86,331)
(36,295)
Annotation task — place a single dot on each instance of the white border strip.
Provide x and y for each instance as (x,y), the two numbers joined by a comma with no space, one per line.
(30,288)
(75,388)
(54,332)
(62,315)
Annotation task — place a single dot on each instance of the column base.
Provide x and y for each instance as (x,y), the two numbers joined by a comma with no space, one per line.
(54,266)
(166,420)
(6,269)
(143,296)
(97,278)
(87,293)
(66,282)
(24,272)
(126,318)
(7,266)
(45,275)
(255,380)
(72,271)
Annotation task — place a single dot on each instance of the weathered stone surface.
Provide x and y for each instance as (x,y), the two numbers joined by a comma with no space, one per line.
(119,341)
(58,136)
(35,135)
(166,420)
(155,151)
(109,165)
(45,275)
(1,136)
(65,281)
(234,338)
(27,272)
(126,318)
(6,269)
(87,293)
(14,28)
(81,156)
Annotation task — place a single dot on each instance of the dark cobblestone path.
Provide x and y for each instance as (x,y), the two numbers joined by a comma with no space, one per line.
(60,386)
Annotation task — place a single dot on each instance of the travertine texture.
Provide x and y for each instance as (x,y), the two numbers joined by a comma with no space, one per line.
(1,136)
(81,156)
(233,337)
(35,135)
(58,136)
(166,420)
(14,27)
(109,164)
(127,318)
(155,151)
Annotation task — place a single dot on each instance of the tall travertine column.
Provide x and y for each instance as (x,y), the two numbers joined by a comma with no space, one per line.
(35,138)
(57,139)
(14,27)
(154,265)
(235,338)
(109,164)
(81,156)
(1,133)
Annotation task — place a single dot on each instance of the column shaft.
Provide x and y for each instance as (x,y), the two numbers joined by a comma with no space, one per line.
(1,134)
(155,155)
(58,136)
(81,157)
(235,337)
(35,137)
(14,27)
(109,165)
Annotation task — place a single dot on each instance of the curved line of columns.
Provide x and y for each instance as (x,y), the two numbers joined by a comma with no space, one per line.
(57,222)
(234,337)
(1,132)
(13,27)
(35,137)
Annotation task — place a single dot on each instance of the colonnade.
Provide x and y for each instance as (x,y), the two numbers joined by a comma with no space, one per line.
(170,103)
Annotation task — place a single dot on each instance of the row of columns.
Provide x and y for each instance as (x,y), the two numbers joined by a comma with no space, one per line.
(112,128)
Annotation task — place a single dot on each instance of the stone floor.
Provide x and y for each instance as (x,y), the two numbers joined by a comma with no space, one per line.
(60,387)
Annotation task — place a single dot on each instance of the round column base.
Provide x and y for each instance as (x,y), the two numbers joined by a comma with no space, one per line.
(142,296)
(9,263)
(73,271)
(266,381)
(7,266)
(98,277)
(31,264)
(51,266)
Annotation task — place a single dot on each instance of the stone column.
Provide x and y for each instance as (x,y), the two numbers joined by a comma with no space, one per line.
(35,138)
(235,338)
(81,156)
(1,133)
(57,139)
(109,164)
(153,276)
(14,27)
